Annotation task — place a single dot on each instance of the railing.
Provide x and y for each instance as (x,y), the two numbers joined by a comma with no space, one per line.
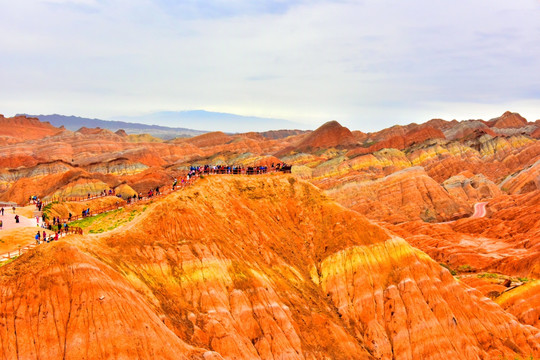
(71,199)
(12,253)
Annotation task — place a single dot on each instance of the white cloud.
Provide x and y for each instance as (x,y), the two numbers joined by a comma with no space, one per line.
(363,63)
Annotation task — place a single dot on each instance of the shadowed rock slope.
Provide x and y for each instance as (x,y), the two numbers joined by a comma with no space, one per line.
(262,268)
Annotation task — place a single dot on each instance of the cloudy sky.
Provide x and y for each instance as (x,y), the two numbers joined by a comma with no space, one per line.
(368,64)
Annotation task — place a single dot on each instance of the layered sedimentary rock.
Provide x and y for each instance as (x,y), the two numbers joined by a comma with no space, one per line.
(269,267)
(329,135)
(75,307)
(506,241)
(402,196)
(524,181)
(523,302)
(471,188)
(22,128)
(508,120)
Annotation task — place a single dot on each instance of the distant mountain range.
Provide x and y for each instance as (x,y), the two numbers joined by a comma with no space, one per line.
(213,121)
(75,123)
(173,123)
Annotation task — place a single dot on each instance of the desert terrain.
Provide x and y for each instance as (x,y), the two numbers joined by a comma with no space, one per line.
(414,242)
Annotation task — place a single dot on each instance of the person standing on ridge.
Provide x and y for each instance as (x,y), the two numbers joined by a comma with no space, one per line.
(2,211)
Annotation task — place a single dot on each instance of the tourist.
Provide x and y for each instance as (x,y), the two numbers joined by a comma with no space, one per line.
(56,236)
(1,224)
(69,217)
(16,219)
(44,235)
(38,236)
(2,211)
(13,209)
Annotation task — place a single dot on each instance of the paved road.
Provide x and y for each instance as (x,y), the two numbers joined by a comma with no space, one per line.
(479,210)
(8,220)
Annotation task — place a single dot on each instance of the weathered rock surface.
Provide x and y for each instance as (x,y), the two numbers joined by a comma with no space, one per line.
(506,241)
(58,303)
(402,196)
(329,135)
(269,267)
(508,120)
(22,128)
(523,302)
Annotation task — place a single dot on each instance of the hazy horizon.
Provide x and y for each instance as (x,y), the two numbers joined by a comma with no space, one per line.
(367,64)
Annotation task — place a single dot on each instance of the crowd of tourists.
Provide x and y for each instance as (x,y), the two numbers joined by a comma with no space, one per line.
(236,170)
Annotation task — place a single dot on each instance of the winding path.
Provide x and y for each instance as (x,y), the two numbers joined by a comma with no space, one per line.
(479,210)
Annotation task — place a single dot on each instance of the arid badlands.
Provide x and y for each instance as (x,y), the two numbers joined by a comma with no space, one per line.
(415,242)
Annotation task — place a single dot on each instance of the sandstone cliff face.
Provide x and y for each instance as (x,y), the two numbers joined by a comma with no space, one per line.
(523,302)
(329,135)
(474,188)
(524,181)
(506,241)
(21,128)
(58,303)
(270,268)
(401,196)
(508,120)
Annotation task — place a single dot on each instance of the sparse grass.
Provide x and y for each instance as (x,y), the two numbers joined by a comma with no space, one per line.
(452,271)
(465,268)
(488,276)
(8,261)
(524,279)
(107,221)
(47,208)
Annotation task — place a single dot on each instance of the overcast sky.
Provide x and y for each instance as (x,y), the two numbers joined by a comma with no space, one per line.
(368,64)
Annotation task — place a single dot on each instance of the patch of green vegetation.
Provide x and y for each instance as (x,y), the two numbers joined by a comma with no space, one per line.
(106,221)
(524,279)
(8,261)
(488,276)
(91,220)
(47,208)
(464,268)
(452,271)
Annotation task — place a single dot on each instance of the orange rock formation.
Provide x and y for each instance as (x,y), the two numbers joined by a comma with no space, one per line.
(252,268)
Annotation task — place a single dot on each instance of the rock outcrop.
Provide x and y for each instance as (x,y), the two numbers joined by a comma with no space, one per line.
(57,302)
(508,120)
(402,196)
(329,135)
(269,267)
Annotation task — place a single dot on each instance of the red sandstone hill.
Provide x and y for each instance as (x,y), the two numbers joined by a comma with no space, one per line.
(508,120)
(272,268)
(506,241)
(249,268)
(21,128)
(329,135)
(412,137)
(59,303)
